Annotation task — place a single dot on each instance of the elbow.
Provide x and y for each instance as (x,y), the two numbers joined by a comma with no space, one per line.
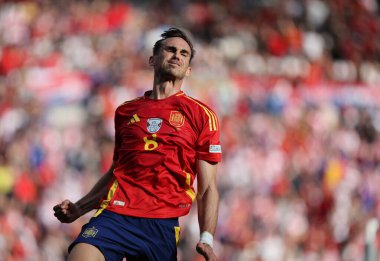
(210,191)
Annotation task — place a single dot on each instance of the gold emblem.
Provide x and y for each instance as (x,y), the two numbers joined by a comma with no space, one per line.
(90,232)
(176,119)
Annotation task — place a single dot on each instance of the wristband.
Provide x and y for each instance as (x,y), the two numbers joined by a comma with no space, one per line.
(206,238)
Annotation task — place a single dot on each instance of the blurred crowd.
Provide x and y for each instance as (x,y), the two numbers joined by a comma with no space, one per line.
(295,84)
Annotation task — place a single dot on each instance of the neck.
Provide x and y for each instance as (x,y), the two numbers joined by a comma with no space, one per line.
(162,90)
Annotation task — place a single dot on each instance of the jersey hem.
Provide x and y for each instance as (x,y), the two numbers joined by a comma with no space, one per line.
(140,215)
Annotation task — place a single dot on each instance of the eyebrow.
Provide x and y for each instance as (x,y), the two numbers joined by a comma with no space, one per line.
(171,47)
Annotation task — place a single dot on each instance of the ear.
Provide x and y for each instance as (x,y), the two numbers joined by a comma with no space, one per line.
(151,61)
(188,71)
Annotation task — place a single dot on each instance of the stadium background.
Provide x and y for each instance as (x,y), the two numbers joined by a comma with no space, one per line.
(294,82)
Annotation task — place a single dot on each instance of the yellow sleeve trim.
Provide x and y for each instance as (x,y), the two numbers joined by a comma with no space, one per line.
(106,202)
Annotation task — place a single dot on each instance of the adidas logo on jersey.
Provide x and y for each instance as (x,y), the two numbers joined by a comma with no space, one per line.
(134,119)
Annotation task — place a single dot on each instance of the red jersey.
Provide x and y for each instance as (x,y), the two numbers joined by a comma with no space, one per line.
(157,143)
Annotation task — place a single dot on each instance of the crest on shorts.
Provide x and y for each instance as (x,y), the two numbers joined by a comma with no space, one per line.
(153,124)
(90,232)
(176,119)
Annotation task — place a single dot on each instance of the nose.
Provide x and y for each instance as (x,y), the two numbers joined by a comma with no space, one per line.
(177,54)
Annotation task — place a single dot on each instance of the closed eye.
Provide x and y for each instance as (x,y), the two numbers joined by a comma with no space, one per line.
(173,49)
(185,53)
(170,49)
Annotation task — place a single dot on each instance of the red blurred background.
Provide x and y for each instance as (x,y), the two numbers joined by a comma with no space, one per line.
(296,85)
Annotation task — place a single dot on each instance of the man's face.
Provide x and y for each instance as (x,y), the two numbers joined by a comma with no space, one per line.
(173,59)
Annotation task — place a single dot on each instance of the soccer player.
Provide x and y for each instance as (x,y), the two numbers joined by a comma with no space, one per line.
(163,141)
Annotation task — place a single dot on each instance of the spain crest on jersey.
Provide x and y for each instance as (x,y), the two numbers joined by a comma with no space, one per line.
(153,124)
(176,119)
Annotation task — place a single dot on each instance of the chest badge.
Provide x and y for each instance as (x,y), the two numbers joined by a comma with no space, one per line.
(176,119)
(153,124)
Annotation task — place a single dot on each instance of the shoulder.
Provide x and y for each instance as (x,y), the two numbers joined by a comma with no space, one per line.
(197,104)
(202,111)
(130,103)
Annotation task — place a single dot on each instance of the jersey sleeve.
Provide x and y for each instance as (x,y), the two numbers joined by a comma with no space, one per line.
(208,145)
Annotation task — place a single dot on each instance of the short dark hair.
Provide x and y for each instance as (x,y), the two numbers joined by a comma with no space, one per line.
(174,32)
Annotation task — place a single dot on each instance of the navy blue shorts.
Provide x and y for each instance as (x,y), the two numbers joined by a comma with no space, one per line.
(118,236)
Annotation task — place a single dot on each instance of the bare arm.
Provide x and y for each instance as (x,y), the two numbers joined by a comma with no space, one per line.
(67,212)
(208,204)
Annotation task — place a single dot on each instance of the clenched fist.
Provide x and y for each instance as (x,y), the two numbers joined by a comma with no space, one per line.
(66,212)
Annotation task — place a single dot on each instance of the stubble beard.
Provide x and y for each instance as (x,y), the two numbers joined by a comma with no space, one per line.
(169,74)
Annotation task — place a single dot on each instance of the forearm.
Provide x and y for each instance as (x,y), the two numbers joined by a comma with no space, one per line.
(208,208)
(92,199)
